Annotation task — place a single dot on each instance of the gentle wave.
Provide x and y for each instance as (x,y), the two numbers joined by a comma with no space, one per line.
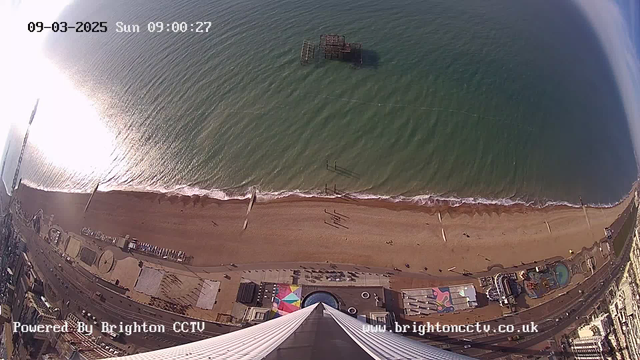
(423,200)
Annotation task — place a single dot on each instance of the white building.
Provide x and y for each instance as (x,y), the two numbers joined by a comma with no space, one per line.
(599,326)
(590,348)
(318,331)
(624,304)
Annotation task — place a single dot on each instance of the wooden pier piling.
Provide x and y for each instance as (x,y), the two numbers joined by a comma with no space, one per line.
(308,52)
(331,47)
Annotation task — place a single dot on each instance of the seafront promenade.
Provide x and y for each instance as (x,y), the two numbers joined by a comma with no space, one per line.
(126,269)
(150,288)
(373,233)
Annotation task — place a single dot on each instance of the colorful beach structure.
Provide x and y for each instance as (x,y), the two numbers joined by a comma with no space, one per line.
(331,47)
(270,300)
(536,282)
(287,298)
(444,299)
(541,280)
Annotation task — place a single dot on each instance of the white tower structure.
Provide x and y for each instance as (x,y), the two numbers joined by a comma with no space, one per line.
(315,332)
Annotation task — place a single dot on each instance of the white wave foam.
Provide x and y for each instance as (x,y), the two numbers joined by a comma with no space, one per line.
(53,189)
(423,200)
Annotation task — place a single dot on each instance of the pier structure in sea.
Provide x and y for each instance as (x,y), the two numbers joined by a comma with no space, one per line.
(308,52)
(331,47)
(335,47)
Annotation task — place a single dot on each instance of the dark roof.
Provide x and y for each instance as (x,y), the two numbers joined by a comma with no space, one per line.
(349,296)
(246,292)
(87,256)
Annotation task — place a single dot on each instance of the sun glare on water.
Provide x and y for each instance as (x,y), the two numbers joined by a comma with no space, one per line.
(67,131)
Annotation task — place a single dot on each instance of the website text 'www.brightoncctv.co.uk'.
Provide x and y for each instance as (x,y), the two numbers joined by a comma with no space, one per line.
(428,327)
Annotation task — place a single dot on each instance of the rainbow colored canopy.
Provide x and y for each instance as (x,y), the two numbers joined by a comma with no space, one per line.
(288,299)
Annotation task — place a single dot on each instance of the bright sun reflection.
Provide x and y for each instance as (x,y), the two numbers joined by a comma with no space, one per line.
(67,130)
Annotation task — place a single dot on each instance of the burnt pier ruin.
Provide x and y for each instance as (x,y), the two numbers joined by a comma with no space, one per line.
(331,47)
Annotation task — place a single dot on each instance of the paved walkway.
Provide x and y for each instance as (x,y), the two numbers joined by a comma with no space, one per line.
(281,271)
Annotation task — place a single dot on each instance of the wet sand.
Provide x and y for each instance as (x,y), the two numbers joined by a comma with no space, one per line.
(295,229)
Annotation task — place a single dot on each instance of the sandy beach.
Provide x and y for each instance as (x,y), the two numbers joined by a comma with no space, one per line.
(370,233)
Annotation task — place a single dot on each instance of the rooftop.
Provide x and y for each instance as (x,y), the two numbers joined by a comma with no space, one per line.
(363,299)
(443,299)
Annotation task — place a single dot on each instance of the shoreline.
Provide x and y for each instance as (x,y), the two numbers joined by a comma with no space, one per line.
(373,233)
(427,200)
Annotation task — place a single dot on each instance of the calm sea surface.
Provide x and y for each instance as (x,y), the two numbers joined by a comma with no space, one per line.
(468,99)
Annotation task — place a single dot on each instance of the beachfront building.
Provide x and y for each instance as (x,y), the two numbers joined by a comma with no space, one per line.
(34,310)
(599,326)
(317,331)
(590,348)
(624,306)
(254,315)
(5,313)
(592,339)
(72,344)
(444,299)
(6,342)
(364,302)
(506,288)
(537,282)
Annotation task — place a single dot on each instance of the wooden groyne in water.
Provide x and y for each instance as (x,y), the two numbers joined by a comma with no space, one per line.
(95,189)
